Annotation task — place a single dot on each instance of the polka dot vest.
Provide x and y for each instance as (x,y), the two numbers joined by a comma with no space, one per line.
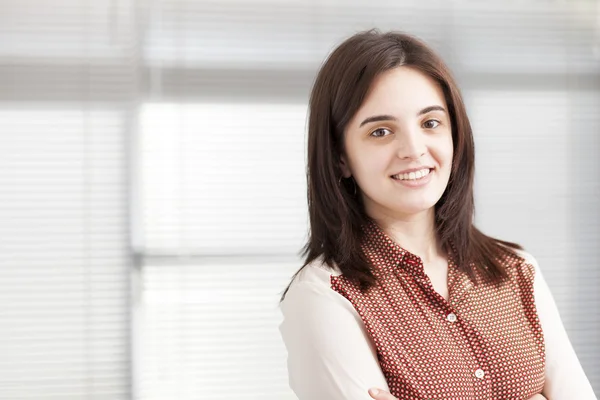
(484,342)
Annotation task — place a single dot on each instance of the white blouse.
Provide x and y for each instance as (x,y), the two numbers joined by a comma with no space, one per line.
(320,325)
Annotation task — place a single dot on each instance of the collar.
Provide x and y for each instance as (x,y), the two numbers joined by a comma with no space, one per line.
(385,254)
(388,256)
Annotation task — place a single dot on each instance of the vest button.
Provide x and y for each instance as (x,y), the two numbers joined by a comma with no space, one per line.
(479,373)
(451,317)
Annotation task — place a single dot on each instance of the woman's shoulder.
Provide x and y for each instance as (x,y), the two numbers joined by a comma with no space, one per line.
(311,288)
(526,257)
(520,263)
(512,257)
(316,273)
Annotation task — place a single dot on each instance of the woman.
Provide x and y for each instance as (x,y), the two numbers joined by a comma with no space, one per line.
(399,290)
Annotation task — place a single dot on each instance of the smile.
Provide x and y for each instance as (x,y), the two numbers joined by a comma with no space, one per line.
(414,179)
(412,176)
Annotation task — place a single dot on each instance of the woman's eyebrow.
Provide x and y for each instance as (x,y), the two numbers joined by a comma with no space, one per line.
(385,117)
(376,118)
(431,108)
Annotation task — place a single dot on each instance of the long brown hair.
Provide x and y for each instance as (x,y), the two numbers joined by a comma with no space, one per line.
(336,213)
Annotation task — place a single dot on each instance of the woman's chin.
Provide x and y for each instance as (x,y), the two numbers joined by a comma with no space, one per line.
(414,209)
(402,208)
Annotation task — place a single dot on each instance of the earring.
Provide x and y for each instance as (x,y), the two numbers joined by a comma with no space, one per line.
(354,184)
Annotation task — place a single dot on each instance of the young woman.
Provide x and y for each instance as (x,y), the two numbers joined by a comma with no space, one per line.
(399,290)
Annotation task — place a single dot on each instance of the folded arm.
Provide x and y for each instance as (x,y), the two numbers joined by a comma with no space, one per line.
(565,378)
(329,357)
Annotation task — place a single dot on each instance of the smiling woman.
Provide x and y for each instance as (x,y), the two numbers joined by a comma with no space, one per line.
(399,289)
(400,159)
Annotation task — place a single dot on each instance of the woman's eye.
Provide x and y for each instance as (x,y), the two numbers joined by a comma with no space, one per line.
(381,132)
(430,124)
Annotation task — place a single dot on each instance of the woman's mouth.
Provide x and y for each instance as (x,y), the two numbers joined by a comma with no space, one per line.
(414,179)
(412,176)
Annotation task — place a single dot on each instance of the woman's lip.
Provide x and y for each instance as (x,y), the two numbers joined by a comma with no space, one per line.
(417,182)
(408,171)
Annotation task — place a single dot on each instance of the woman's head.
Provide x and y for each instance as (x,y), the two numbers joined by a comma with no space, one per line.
(397,147)
(421,122)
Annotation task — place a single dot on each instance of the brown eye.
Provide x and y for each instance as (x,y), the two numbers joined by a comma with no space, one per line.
(431,124)
(381,132)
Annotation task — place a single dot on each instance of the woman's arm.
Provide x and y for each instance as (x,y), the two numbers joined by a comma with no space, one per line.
(565,378)
(329,354)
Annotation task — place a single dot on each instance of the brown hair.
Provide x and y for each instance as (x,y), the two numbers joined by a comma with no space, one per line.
(336,212)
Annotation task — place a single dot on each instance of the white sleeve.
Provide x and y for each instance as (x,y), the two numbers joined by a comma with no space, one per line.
(330,355)
(565,378)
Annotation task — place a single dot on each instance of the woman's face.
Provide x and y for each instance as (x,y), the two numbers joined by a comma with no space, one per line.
(403,125)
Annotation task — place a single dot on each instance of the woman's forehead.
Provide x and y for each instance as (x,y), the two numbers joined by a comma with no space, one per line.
(401,91)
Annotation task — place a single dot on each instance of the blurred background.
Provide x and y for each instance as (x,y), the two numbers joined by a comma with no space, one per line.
(152,188)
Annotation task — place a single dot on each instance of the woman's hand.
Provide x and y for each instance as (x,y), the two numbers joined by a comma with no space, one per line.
(379,394)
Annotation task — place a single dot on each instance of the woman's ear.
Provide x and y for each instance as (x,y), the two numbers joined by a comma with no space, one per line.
(346,173)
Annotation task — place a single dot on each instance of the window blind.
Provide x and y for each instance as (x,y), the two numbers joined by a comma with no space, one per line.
(66,94)
(63,255)
(227,181)
(207,328)
(223,179)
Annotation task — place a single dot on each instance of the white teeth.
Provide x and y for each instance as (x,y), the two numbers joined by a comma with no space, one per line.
(412,176)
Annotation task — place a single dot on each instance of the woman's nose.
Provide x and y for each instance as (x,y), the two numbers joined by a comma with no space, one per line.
(411,145)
